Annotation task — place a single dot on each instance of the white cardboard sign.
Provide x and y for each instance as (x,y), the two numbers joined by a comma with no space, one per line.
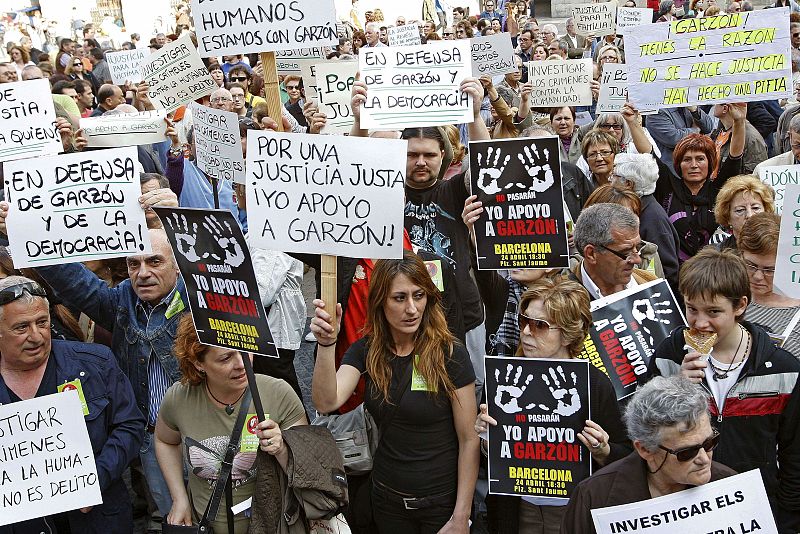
(596,19)
(75,207)
(287,61)
(778,178)
(561,83)
(334,82)
(493,55)
(633,16)
(27,121)
(613,87)
(125,129)
(176,75)
(218,144)
(126,65)
(406,35)
(326,194)
(787,264)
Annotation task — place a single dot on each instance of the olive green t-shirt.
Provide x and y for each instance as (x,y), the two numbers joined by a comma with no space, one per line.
(205,430)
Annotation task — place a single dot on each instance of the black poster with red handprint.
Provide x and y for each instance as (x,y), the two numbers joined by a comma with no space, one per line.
(540,405)
(626,329)
(215,263)
(519,183)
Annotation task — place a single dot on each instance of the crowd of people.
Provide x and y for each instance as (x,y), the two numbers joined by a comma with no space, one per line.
(672,195)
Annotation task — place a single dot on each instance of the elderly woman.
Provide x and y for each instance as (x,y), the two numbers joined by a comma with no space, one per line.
(213,383)
(777,314)
(666,11)
(598,149)
(739,199)
(614,124)
(608,53)
(562,122)
(554,321)
(667,420)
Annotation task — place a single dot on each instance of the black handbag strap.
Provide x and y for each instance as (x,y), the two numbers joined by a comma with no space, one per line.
(226,467)
(405,382)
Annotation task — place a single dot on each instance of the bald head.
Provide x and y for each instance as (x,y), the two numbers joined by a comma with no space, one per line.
(222,99)
(32,72)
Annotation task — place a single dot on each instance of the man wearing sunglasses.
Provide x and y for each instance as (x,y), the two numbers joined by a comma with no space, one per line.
(241,74)
(607,236)
(668,423)
(32,365)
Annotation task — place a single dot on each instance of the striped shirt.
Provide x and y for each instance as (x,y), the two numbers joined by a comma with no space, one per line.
(158,382)
(775,321)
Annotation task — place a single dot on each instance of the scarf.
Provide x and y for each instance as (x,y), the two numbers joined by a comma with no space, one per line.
(505,341)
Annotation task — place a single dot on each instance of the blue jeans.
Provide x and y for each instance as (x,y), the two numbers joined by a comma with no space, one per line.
(152,473)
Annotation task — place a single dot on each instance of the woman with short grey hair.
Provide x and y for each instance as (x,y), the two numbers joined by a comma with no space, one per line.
(614,124)
(669,425)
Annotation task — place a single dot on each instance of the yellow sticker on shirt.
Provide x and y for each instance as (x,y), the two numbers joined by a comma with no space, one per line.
(418,382)
(249,440)
(75,385)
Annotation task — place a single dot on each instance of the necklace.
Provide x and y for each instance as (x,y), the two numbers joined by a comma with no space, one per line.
(722,374)
(228,407)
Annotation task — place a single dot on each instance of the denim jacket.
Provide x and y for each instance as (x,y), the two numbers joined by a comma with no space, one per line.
(115,429)
(135,333)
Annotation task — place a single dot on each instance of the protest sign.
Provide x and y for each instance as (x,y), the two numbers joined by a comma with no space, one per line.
(416,85)
(560,83)
(176,75)
(341,196)
(778,178)
(75,207)
(126,65)
(613,88)
(125,129)
(287,61)
(219,146)
(626,329)
(28,128)
(335,79)
(733,505)
(254,26)
(46,459)
(540,406)
(597,19)
(519,183)
(215,263)
(308,71)
(633,16)
(493,55)
(786,280)
(734,57)
(407,35)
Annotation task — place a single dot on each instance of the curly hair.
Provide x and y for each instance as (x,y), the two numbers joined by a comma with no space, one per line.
(744,183)
(189,350)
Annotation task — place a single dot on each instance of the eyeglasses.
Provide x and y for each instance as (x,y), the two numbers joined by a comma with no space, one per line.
(238,97)
(10,294)
(238,78)
(689,453)
(448,34)
(602,153)
(534,325)
(753,269)
(796,35)
(292,87)
(79,64)
(624,256)
(616,127)
(220,99)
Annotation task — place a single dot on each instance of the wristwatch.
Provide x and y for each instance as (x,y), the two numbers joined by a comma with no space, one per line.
(175,151)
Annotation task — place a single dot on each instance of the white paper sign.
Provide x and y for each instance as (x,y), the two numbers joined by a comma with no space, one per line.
(27,128)
(326,194)
(493,55)
(561,83)
(56,473)
(286,61)
(335,81)
(308,71)
(735,504)
(778,178)
(125,129)
(218,144)
(75,207)
(595,19)
(126,65)
(416,85)
(735,57)
(406,35)
(253,26)
(613,87)
(787,263)
(176,75)
(633,16)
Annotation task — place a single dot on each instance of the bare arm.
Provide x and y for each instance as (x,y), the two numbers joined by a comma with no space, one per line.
(477,128)
(358,96)
(738,112)
(640,140)
(170,460)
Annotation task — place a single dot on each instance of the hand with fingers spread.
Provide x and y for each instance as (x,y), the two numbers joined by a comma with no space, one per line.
(490,170)
(234,255)
(643,309)
(185,237)
(562,391)
(541,174)
(510,390)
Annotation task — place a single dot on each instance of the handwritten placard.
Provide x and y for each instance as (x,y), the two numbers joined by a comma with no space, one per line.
(561,83)
(253,26)
(125,129)
(308,71)
(126,65)
(735,57)
(493,55)
(633,16)
(56,472)
(218,144)
(613,88)
(416,85)
(176,75)
(28,127)
(326,194)
(75,207)
(778,178)
(595,19)
(787,263)
(335,81)
(406,35)
(287,61)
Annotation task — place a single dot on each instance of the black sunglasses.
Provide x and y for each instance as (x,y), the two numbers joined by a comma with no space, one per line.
(534,325)
(689,453)
(624,256)
(10,294)
(238,78)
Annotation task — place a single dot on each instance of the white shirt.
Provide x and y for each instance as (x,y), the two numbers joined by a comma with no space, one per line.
(593,289)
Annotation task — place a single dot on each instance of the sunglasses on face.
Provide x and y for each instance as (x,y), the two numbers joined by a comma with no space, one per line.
(689,453)
(292,87)
(238,78)
(534,325)
(624,256)
(10,294)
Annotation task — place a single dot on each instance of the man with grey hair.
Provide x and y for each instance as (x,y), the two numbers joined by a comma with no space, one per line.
(34,365)
(792,157)
(668,422)
(8,73)
(607,236)
(372,33)
(549,33)
(32,72)
(222,99)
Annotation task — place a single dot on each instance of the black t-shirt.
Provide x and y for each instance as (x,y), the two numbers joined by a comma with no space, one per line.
(433,221)
(418,453)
